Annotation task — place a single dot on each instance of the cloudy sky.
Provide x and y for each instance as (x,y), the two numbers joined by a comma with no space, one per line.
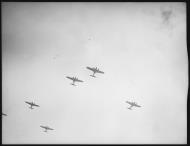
(142,49)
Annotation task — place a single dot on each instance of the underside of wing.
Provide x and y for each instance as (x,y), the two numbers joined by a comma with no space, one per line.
(137,105)
(128,102)
(36,105)
(79,80)
(90,69)
(98,71)
(42,127)
(28,102)
(69,78)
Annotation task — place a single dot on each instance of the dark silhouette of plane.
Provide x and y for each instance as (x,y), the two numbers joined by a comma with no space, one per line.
(95,70)
(46,128)
(74,79)
(132,104)
(32,104)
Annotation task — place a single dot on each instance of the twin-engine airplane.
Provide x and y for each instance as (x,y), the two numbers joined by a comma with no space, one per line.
(74,79)
(132,104)
(32,104)
(95,70)
(46,128)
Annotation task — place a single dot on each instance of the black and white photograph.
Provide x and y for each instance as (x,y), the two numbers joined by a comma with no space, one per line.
(94,73)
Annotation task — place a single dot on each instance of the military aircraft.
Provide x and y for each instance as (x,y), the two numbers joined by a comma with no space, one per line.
(46,128)
(132,104)
(32,104)
(95,70)
(74,79)
(4,114)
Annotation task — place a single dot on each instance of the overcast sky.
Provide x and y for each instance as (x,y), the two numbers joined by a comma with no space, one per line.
(142,49)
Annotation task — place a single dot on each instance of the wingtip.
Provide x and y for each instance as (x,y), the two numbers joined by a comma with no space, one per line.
(67,77)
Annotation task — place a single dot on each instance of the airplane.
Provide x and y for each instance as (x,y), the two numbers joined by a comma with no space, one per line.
(75,79)
(95,70)
(46,128)
(31,104)
(132,104)
(4,114)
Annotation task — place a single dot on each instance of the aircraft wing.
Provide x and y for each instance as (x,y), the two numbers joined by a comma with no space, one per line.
(137,105)
(98,71)
(50,128)
(28,102)
(129,102)
(42,126)
(78,80)
(90,69)
(69,78)
(36,105)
